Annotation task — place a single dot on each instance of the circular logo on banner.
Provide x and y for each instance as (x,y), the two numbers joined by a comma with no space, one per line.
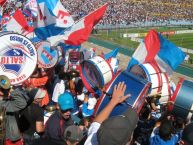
(47,55)
(18,57)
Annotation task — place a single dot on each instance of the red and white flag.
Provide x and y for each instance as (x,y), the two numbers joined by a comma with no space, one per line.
(19,24)
(2,2)
(80,31)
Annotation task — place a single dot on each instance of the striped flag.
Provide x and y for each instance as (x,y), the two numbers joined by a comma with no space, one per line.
(47,24)
(19,24)
(158,50)
(56,9)
(81,30)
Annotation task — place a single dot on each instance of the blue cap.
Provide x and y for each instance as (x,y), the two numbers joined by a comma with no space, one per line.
(66,101)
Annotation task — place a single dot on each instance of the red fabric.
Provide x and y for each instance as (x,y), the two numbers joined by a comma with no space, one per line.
(152,44)
(45,100)
(36,82)
(2,2)
(9,142)
(80,31)
(21,20)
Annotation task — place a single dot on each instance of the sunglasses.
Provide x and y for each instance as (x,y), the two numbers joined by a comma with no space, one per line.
(64,111)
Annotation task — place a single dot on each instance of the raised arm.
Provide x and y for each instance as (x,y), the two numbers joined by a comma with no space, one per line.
(17,102)
(117,97)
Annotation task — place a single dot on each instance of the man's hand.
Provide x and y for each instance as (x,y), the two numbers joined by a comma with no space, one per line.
(118,93)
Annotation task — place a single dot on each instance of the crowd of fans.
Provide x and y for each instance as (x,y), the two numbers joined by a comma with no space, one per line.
(131,11)
(127,11)
(53,107)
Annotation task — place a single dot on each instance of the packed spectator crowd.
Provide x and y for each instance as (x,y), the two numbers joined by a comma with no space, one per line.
(127,11)
(53,107)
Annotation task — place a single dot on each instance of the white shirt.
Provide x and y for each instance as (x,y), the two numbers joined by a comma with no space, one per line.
(58,90)
(92,134)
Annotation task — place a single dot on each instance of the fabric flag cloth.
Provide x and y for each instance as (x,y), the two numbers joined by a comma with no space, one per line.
(1,13)
(31,8)
(56,8)
(158,50)
(111,54)
(19,24)
(81,30)
(2,2)
(5,20)
(46,23)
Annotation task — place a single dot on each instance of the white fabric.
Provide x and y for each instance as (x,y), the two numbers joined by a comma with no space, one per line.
(81,97)
(91,103)
(40,94)
(92,134)
(58,90)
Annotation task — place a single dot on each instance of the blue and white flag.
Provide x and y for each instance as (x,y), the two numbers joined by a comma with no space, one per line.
(56,8)
(47,24)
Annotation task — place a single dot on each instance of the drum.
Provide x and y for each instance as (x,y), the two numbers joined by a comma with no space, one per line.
(159,80)
(96,73)
(182,99)
(18,57)
(47,55)
(137,87)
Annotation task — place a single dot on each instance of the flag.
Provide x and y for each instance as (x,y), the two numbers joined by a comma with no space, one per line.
(5,20)
(31,8)
(2,2)
(158,50)
(1,14)
(19,24)
(80,31)
(111,54)
(56,9)
(46,23)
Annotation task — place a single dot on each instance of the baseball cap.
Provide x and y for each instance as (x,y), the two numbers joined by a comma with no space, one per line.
(66,101)
(73,133)
(187,134)
(118,130)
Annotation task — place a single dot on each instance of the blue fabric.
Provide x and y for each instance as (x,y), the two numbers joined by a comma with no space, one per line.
(48,31)
(132,62)
(156,140)
(85,111)
(51,4)
(111,54)
(170,54)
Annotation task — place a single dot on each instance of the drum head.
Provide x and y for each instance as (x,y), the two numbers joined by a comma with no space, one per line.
(92,74)
(139,71)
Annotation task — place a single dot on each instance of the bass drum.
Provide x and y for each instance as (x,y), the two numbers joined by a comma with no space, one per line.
(182,100)
(137,87)
(159,80)
(96,73)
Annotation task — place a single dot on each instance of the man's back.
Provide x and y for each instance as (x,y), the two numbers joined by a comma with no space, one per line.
(28,118)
